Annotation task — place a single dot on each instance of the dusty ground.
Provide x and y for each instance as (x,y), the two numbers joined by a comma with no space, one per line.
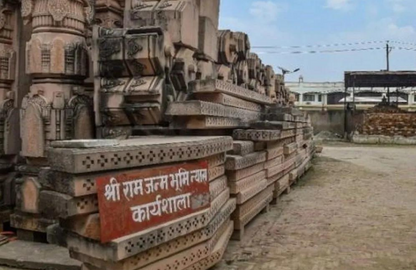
(356,209)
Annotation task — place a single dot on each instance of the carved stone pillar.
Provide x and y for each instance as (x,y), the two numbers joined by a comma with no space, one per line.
(9,114)
(57,107)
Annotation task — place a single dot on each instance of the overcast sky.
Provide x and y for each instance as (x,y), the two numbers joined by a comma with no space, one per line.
(314,22)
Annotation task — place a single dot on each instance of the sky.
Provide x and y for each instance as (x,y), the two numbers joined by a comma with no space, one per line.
(323,22)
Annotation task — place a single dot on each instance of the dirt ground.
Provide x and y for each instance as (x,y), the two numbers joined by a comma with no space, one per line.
(356,209)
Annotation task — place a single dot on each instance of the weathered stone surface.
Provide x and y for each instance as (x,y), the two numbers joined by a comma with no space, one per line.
(129,246)
(258,135)
(28,193)
(274,152)
(273,125)
(242,148)
(215,172)
(212,86)
(235,163)
(274,162)
(206,122)
(202,108)
(217,186)
(87,226)
(216,254)
(234,176)
(228,100)
(130,153)
(246,183)
(84,143)
(290,148)
(167,249)
(29,255)
(57,107)
(386,123)
(250,192)
(55,204)
(30,222)
(272,171)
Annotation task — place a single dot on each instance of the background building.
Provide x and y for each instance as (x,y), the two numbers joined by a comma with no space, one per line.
(323,96)
(324,101)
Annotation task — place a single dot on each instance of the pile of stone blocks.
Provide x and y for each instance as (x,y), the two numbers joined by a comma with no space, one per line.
(388,124)
(111,70)
(192,227)
(247,179)
(266,160)
(172,68)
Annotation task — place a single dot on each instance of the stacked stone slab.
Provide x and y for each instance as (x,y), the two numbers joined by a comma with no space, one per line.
(247,180)
(195,241)
(296,144)
(171,67)
(266,160)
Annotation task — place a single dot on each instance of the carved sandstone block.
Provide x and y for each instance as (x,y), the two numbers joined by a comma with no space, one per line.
(132,245)
(213,86)
(246,183)
(242,148)
(229,101)
(197,108)
(162,251)
(235,163)
(53,204)
(129,153)
(234,176)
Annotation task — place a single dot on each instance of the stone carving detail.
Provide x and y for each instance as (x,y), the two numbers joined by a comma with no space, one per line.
(132,76)
(59,9)
(59,65)
(26,10)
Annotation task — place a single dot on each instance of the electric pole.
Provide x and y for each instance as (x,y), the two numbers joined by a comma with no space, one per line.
(388,51)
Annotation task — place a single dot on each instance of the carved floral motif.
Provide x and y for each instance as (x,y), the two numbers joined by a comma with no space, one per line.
(26,8)
(59,9)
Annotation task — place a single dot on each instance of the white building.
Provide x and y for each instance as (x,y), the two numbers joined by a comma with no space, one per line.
(330,96)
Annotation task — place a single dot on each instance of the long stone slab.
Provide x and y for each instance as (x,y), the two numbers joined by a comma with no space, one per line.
(206,122)
(134,244)
(257,135)
(203,108)
(249,193)
(234,176)
(246,183)
(218,86)
(167,249)
(137,152)
(273,125)
(228,100)
(30,255)
(84,143)
(78,185)
(216,254)
(235,163)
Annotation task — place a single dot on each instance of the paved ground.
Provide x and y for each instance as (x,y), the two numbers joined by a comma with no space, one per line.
(356,209)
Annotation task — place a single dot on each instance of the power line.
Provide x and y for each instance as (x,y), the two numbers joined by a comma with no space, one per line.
(319,45)
(336,50)
(332,45)
(321,51)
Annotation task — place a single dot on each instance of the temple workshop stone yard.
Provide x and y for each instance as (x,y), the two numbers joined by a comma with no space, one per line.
(355,209)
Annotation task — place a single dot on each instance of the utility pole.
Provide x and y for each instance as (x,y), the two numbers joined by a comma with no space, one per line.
(388,51)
